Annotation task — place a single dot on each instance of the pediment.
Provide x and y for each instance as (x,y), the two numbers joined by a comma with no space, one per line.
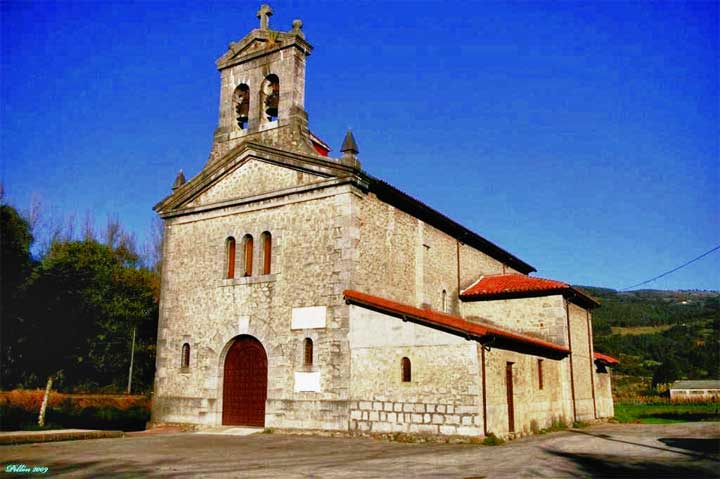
(261,42)
(253,177)
(249,171)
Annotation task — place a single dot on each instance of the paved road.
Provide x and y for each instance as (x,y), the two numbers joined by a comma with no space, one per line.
(677,451)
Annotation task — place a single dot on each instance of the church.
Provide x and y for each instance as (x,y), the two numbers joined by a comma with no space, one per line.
(301,292)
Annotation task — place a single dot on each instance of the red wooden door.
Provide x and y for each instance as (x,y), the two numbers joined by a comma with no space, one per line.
(510,400)
(245,383)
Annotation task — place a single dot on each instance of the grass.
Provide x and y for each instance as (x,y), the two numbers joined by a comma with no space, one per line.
(666,412)
(637,330)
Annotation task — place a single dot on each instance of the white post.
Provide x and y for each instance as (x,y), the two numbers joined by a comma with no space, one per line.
(132,357)
(43,407)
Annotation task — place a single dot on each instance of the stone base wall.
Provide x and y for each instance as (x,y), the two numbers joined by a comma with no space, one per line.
(415,418)
(310,414)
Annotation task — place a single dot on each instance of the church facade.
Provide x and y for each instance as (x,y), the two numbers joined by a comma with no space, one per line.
(300,292)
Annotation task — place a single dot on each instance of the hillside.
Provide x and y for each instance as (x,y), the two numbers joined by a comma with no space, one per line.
(665,335)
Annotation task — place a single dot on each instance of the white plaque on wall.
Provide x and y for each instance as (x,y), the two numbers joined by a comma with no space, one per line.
(307,382)
(308,318)
(243,324)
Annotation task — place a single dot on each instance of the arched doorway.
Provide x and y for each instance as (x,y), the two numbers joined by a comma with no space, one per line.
(245,383)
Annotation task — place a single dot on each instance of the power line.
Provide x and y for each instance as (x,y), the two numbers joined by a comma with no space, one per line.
(672,270)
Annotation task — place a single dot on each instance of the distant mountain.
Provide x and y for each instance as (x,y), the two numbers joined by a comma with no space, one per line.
(664,334)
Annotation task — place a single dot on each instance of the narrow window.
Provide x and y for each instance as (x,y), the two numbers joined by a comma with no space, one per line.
(248,246)
(271,96)
(267,251)
(185,361)
(230,257)
(406,370)
(308,352)
(540,373)
(241,103)
(444,301)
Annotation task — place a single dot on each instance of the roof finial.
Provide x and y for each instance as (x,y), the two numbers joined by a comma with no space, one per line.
(264,15)
(297,25)
(349,145)
(350,150)
(179,180)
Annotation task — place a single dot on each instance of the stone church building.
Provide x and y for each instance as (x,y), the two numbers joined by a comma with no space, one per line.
(301,292)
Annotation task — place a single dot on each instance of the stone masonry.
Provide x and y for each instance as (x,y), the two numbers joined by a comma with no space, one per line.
(332,228)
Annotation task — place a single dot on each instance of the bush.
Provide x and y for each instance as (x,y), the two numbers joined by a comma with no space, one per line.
(19,410)
(492,440)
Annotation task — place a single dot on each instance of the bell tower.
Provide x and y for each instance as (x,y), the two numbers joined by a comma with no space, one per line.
(262,89)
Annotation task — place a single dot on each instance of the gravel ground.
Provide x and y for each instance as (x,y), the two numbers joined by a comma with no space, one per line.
(688,450)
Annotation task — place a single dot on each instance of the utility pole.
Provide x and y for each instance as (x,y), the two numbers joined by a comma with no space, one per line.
(132,357)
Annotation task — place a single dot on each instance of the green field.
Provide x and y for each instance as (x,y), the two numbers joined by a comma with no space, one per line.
(666,413)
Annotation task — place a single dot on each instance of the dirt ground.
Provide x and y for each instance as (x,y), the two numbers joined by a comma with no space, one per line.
(688,450)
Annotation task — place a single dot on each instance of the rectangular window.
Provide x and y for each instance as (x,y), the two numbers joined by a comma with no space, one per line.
(540,373)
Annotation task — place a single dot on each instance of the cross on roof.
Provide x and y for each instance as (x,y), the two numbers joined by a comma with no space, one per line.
(264,15)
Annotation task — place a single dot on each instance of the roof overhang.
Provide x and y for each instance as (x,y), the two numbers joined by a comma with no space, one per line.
(604,359)
(487,335)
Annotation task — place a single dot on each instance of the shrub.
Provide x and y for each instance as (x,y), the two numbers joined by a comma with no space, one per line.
(19,410)
(492,440)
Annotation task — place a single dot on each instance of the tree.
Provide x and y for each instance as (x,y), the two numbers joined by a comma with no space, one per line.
(86,298)
(15,267)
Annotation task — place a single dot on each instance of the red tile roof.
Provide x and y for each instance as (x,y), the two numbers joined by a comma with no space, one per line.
(455,324)
(519,285)
(605,359)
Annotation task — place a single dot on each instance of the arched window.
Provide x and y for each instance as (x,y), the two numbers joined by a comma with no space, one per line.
(241,104)
(308,352)
(230,257)
(406,370)
(444,301)
(248,255)
(271,96)
(185,360)
(267,251)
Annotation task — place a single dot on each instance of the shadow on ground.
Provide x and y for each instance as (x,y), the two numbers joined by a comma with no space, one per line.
(703,446)
(602,466)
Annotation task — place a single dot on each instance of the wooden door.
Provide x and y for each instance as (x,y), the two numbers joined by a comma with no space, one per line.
(245,383)
(510,402)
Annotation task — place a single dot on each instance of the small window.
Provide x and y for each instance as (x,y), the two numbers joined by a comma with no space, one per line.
(406,370)
(267,252)
(308,352)
(185,361)
(248,255)
(230,257)
(444,301)
(540,373)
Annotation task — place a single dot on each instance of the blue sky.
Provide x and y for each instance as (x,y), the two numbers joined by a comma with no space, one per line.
(580,136)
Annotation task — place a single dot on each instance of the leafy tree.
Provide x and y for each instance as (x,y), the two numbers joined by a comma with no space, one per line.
(85,300)
(15,267)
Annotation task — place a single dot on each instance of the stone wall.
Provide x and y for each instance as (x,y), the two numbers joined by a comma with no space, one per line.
(583,366)
(534,408)
(312,251)
(443,395)
(542,317)
(416,261)
(603,393)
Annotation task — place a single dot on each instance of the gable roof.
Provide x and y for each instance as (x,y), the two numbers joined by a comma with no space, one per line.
(506,286)
(332,168)
(484,333)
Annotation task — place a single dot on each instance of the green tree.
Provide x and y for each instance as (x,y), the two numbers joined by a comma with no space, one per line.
(85,300)
(15,267)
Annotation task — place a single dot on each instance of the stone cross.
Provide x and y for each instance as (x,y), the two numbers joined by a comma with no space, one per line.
(264,15)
